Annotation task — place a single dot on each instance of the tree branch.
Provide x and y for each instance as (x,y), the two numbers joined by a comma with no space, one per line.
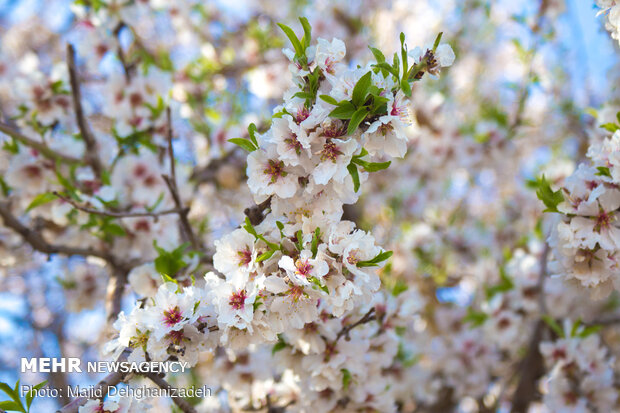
(114,293)
(186,228)
(115,214)
(121,54)
(369,316)
(541,279)
(41,147)
(531,369)
(89,139)
(173,173)
(110,380)
(36,240)
(163,384)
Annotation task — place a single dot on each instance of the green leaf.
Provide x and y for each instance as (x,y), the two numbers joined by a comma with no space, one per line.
(251,230)
(375,261)
(379,57)
(257,303)
(10,405)
(360,91)
(300,240)
(592,112)
(270,245)
(346,379)
(405,357)
(31,393)
(169,263)
(506,284)
(246,144)
(399,288)
(345,110)
(280,345)
(611,127)
(437,41)
(576,325)
(113,229)
(11,146)
(352,168)
(281,228)
(603,171)
(376,166)
(386,66)
(329,99)
(304,95)
(249,227)
(316,282)
(396,65)
(307,32)
(252,130)
(357,118)
(405,86)
(168,279)
(550,321)
(106,179)
(476,318)
(371,166)
(13,394)
(403,54)
(589,330)
(40,200)
(299,50)
(315,242)
(550,198)
(159,200)
(4,187)
(265,256)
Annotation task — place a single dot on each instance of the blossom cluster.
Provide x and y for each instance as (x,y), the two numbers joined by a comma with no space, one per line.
(175,322)
(300,276)
(586,240)
(302,260)
(580,377)
(119,405)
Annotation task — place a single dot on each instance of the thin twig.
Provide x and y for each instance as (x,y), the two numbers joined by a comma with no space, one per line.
(115,214)
(163,384)
(120,269)
(121,54)
(369,316)
(524,93)
(110,380)
(541,279)
(186,228)
(41,147)
(173,173)
(171,183)
(87,135)
(209,173)
(606,322)
(36,240)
